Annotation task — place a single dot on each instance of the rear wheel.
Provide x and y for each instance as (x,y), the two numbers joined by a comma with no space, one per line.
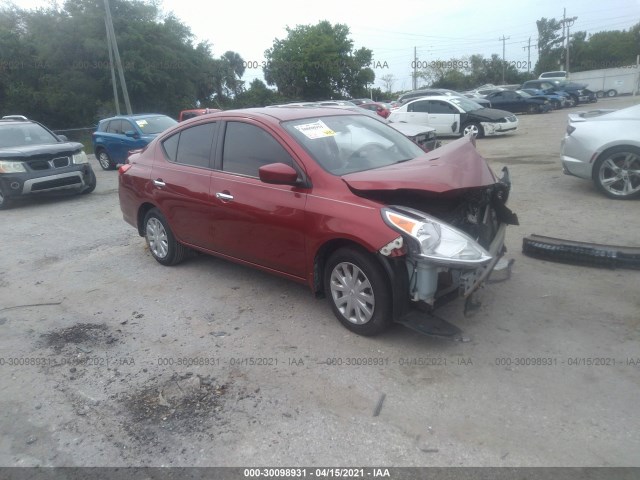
(611,93)
(571,101)
(160,239)
(358,291)
(599,94)
(105,160)
(616,173)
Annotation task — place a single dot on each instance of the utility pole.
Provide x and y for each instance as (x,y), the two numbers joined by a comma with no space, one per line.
(567,23)
(114,46)
(113,71)
(503,39)
(415,68)
(528,49)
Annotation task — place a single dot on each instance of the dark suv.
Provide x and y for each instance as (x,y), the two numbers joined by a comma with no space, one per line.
(33,159)
(115,137)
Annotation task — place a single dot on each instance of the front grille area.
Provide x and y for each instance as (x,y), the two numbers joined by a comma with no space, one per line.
(39,165)
(46,164)
(60,162)
(56,183)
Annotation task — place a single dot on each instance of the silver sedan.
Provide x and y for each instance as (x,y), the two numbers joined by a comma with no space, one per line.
(604,146)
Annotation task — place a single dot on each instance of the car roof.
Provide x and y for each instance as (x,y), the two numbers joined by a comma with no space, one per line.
(431,97)
(135,115)
(283,113)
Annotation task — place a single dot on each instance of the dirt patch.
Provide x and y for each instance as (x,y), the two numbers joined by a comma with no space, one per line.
(86,335)
(184,403)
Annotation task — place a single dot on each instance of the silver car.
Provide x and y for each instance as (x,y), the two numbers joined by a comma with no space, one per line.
(604,145)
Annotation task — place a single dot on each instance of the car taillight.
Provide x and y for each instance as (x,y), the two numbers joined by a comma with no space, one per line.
(570,129)
(124,168)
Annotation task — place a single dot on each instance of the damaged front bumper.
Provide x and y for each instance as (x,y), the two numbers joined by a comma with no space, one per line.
(433,282)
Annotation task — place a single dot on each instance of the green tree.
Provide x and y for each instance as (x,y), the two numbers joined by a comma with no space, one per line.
(550,41)
(60,64)
(318,62)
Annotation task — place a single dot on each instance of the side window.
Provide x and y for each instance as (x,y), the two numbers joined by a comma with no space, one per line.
(247,148)
(194,147)
(191,146)
(127,126)
(170,146)
(441,107)
(421,107)
(115,126)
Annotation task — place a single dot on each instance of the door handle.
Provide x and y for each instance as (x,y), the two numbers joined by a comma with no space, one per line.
(224,196)
(159,183)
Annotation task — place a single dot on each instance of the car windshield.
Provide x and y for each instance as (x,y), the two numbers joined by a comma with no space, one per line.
(20,135)
(351,143)
(153,125)
(523,93)
(465,104)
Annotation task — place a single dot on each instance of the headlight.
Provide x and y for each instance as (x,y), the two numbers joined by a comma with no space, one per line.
(80,157)
(11,167)
(437,241)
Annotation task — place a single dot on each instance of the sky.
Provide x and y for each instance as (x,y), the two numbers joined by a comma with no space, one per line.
(438,30)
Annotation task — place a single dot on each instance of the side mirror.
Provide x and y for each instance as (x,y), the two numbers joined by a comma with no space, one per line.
(132,134)
(278,174)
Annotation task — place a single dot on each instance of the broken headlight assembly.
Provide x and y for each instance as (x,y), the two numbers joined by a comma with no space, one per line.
(433,240)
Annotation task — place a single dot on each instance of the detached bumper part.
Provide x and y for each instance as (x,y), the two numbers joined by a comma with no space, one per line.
(581,253)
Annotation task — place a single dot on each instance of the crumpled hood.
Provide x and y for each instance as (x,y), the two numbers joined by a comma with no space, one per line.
(455,166)
(27,151)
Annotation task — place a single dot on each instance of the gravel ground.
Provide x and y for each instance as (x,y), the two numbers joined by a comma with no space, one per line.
(110,359)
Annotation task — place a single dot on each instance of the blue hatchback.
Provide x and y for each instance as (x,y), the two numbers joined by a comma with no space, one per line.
(115,137)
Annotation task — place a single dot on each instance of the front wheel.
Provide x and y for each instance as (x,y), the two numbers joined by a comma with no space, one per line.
(5,201)
(160,239)
(571,101)
(474,129)
(91,184)
(616,173)
(611,93)
(358,291)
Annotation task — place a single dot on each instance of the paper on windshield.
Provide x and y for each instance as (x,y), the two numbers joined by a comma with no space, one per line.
(315,130)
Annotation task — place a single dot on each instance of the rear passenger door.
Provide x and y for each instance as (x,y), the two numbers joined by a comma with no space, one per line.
(255,222)
(181,178)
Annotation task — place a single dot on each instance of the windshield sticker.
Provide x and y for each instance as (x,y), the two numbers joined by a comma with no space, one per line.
(315,130)
(142,123)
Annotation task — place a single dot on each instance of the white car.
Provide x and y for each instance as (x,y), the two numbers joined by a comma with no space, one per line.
(455,116)
(604,146)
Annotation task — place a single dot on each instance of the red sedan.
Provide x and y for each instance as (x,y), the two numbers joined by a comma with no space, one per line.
(339,201)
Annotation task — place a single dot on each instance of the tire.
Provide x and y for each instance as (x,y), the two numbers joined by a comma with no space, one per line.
(571,101)
(352,274)
(105,160)
(91,186)
(611,93)
(5,201)
(615,173)
(473,128)
(160,239)
(599,94)
(533,108)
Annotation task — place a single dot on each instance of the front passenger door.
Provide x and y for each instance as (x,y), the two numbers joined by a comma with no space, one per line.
(255,222)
